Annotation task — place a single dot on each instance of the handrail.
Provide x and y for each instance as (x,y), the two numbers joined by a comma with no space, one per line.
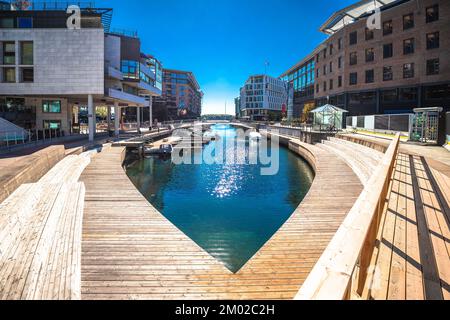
(341,271)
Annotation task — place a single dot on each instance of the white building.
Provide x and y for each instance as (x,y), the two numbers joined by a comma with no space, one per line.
(48,72)
(263,97)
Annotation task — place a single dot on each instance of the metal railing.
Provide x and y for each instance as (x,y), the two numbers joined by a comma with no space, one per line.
(13,139)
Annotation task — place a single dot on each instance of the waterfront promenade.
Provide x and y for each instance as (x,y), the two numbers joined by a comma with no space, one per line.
(128,250)
(131,251)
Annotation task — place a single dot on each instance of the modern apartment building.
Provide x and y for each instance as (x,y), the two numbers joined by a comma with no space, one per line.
(400,66)
(48,72)
(181,96)
(263,97)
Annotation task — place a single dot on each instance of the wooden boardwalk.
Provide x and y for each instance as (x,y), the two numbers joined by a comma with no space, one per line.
(131,251)
(412,256)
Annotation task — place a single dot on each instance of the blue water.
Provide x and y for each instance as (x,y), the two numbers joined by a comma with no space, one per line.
(229,210)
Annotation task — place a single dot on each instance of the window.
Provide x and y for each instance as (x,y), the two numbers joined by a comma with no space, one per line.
(318,73)
(340,62)
(317,58)
(370,76)
(387,28)
(433,40)
(407,94)
(340,43)
(324,69)
(331,84)
(432,13)
(9,75)
(353,58)
(331,66)
(25,22)
(370,55)
(53,106)
(408,46)
(324,53)
(387,73)
(331,49)
(389,95)
(388,51)
(6,23)
(432,67)
(9,53)
(369,34)
(26,53)
(317,88)
(324,86)
(353,38)
(130,69)
(408,70)
(52,124)
(408,21)
(340,81)
(27,75)
(353,78)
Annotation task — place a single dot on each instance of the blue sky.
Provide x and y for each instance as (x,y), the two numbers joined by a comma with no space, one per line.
(225,41)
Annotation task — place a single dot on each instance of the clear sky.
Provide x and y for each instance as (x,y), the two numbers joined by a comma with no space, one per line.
(225,41)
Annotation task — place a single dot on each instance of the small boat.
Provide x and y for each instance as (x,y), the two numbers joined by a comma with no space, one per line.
(255,136)
(166,149)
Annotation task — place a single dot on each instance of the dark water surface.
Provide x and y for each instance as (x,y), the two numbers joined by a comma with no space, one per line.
(229,210)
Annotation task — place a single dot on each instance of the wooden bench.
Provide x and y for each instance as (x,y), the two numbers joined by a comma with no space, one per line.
(40,235)
(41,243)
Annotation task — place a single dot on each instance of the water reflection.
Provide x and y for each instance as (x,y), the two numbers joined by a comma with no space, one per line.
(229,210)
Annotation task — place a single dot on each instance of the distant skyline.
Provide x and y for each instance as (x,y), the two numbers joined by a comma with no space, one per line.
(223,42)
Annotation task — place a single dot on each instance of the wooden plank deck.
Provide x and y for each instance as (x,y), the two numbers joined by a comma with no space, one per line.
(412,257)
(131,251)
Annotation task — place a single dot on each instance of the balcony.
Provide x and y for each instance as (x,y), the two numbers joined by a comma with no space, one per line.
(112,72)
(126,97)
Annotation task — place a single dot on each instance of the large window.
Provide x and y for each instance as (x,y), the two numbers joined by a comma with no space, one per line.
(6,23)
(370,76)
(407,94)
(27,74)
(389,95)
(26,53)
(51,106)
(353,58)
(9,75)
(408,46)
(388,51)
(25,22)
(408,21)
(52,124)
(353,78)
(408,70)
(432,67)
(433,40)
(340,62)
(9,53)
(340,81)
(370,55)
(353,38)
(432,13)
(130,69)
(387,28)
(387,73)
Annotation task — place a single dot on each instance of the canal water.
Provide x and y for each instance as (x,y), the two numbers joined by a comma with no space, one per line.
(230,210)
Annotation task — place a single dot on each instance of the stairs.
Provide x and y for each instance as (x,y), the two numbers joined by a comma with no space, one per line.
(363,160)
(40,235)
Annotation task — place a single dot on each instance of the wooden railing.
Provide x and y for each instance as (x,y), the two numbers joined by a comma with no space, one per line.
(342,270)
